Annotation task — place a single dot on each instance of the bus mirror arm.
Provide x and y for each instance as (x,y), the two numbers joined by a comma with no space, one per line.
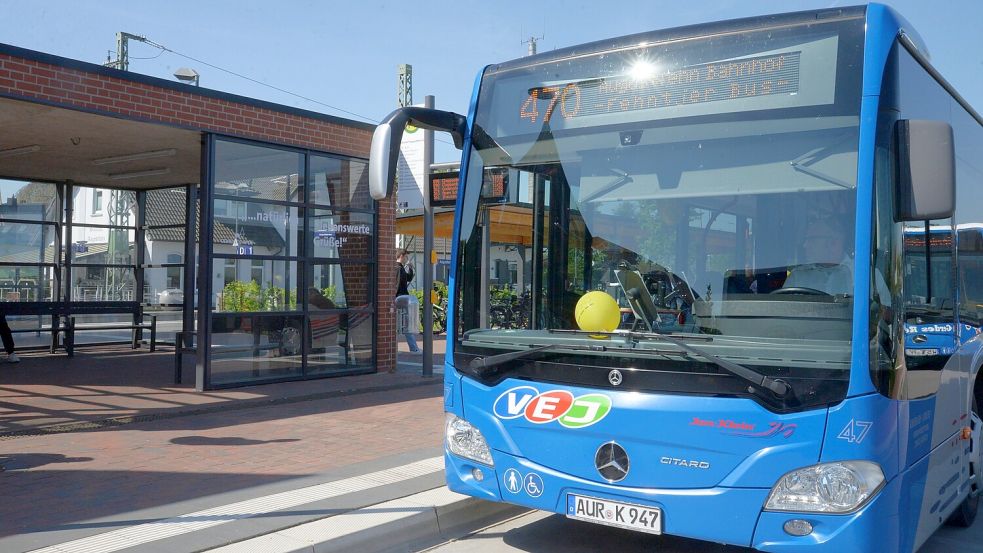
(384,151)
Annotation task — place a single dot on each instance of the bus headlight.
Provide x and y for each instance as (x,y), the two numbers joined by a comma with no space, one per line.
(837,488)
(465,440)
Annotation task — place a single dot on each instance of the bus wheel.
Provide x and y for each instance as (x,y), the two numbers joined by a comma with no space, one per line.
(965,514)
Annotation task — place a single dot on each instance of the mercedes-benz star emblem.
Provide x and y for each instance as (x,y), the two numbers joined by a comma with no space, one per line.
(611,461)
(615,378)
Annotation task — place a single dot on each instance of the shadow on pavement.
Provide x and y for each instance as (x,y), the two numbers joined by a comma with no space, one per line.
(24,461)
(572,536)
(231,440)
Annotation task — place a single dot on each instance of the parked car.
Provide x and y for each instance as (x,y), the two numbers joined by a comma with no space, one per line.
(171,296)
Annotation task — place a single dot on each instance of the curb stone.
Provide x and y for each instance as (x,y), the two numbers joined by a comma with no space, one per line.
(407,524)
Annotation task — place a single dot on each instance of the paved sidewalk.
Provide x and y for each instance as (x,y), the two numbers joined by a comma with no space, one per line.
(113,384)
(412,363)
(196,451)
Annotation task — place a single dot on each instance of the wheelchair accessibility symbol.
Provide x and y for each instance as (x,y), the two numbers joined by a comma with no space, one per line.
(534,485)
(531,483)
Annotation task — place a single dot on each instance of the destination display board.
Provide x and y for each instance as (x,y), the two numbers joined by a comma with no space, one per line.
(657,83)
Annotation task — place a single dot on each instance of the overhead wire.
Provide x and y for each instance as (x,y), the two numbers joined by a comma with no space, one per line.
(261,83)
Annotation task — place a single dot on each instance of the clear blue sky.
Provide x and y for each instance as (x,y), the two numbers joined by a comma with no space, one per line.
(345,54)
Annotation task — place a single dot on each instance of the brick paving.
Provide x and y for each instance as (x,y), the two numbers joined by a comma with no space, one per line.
(114,381)
(255,436)
(404,357)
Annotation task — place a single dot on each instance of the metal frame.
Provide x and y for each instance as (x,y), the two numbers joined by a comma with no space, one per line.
(304,260)
(205,247)
(65,306)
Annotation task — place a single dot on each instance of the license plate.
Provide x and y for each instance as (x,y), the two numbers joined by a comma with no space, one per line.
(921,352)
(614,513)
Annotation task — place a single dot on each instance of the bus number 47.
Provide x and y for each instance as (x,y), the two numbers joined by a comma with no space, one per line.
(855,431)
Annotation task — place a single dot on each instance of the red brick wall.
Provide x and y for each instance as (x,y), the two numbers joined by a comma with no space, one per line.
(95,91)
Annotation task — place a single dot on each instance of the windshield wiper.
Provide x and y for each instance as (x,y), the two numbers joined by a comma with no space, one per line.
(775,385)
(482,366)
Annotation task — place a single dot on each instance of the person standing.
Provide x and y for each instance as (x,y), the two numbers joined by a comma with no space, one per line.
(404,275)
(8,340)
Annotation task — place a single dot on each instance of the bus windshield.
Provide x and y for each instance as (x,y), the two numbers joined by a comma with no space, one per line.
(707,185)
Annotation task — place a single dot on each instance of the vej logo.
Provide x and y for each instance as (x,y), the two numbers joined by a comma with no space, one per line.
(553,405)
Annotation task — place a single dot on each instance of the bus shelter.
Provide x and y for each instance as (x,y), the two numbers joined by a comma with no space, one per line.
(239,230)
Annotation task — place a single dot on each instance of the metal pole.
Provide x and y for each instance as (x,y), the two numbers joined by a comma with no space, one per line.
(138,271)
(203,341)
(485,266)
(190,243)
(538,210)
(428,102)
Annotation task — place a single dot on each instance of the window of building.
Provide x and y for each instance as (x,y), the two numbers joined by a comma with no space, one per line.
(230,270)
(256,271)
(174,273)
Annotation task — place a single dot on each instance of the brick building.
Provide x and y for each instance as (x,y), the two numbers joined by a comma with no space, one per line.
(100,170)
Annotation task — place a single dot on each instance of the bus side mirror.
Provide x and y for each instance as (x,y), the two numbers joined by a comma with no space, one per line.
(926,170)
(384,151)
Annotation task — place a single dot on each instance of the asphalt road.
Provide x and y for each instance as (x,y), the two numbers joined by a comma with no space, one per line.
(545,532)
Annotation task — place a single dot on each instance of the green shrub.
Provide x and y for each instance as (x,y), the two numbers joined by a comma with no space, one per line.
(241,296)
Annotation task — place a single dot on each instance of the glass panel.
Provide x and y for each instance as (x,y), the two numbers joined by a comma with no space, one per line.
(342,235)
(104,206)
(83,336)
(26,243)
(255,347)
(255,285)
(30,322)
(340,341)
(103,245)
(252,228)
(103,284)
(161,244)
(27,284)
(30,201)
(166,206)
(336,286)
(340,183)
(168,324)
(704,188)
(258,173)
(163,287)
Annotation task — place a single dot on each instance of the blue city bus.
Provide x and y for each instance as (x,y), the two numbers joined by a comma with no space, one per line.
(930,338)
(747,196)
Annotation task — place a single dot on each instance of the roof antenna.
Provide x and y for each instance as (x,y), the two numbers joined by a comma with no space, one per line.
(532,44)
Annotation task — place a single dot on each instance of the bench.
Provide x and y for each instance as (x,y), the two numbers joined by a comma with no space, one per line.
(136,327)
(52,327)
(184,343)
(62,317)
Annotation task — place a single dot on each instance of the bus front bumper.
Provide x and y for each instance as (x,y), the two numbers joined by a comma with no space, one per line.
(723,515)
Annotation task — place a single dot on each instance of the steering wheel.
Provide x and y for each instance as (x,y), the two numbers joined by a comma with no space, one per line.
(800,290)
(679,288)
